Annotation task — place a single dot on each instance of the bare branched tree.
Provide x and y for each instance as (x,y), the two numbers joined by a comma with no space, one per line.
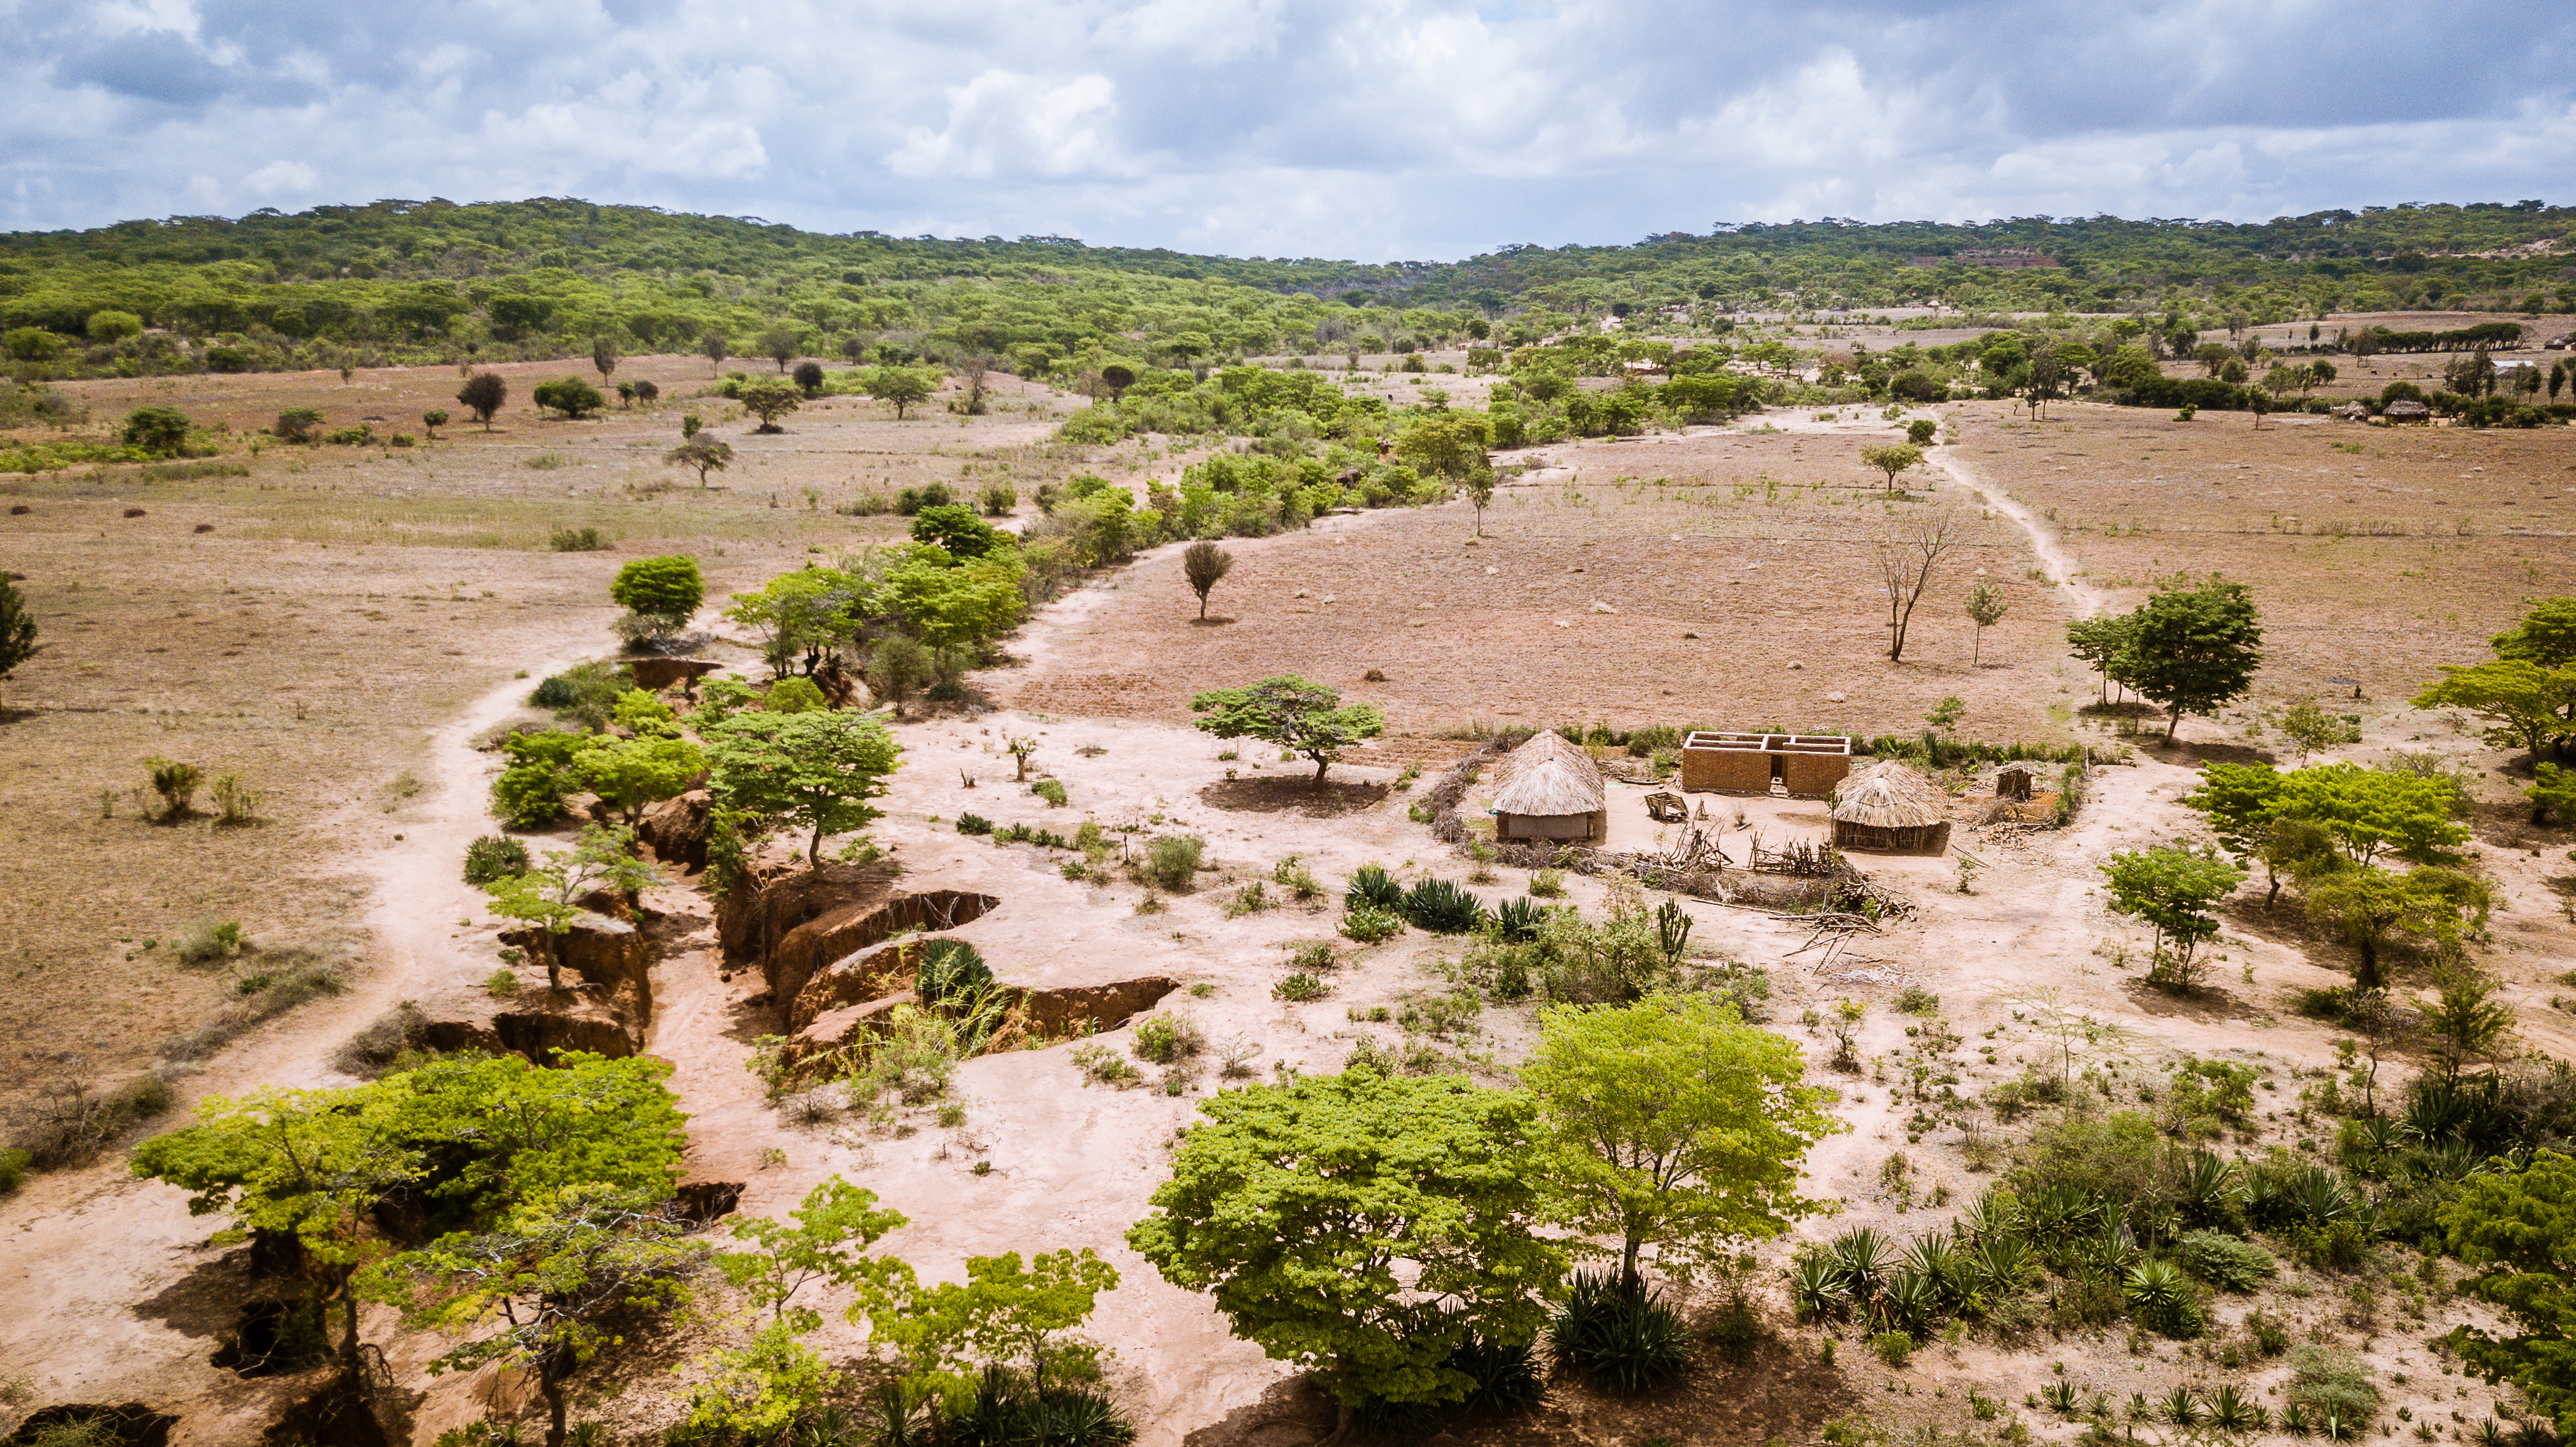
(1909,552)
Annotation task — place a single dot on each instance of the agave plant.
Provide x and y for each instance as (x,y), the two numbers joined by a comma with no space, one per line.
(2060,1210)
(2211,1188)
(1991,1217)
(1516,920)
(2489,1433)
(2319,1196)
(1817,1290)
(2106,1252)
(1442,907)
(2232,1411)
(1910,1302)
(1371,887)
(1933,1256)
(2294,1420)
(2158,1285)
(2001,1264)
(2334,1427)
(2138,1410)
(2179,1408)
(1862,1252)
(2060,1397)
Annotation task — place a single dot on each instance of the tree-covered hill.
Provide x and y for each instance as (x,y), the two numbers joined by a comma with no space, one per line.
(424,281)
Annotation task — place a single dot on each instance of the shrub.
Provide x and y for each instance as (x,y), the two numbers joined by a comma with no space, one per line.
(297,424)
(1165,1038)
(212,943)
(1915,1000)
(974,824)
(1299,880)
(951,971)
(1506,1374)
(1101,1065)
(1893,1347)
(502,983)
(176,783)
(1371,886)
(794,695)
(1250,899)
(1172,861)
(2162,1300)
(2224,1261)
(236,803)
(13,1171)
(1299,988)
(1442,907)
(495,856)
(575,540)
(1547,884)
(1618,1335)
(1051,790)
(2331,1388)
(1370,926)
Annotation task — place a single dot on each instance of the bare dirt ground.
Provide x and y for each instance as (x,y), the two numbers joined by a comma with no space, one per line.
(108,1291)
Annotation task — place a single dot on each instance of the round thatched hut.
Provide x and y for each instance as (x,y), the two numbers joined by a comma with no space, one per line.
(1889,806)
(1549,789)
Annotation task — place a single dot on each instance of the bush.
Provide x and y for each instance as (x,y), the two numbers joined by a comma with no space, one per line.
(212,943)
(2224,1261)
(1101,1065)
(572,396)
(951,970)
(1547,884)
(176,783)
(13,1171)
(495,856)
(2332,1387)
(502,983)
(1893,1347)
(1372,887)
(1165,1038)
(1618,1336)
(1051,790)
(1370,926)
(1442,907)
(1172,861)
(1506,1374)
(1299,988)
(974,824)
(794,695)
(575,540)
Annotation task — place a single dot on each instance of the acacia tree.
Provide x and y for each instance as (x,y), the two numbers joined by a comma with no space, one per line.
(1893,458)
(768,398)
(2193,649)
(714,347)
(482,395)
(816,769)
(782,344)
(903,386)
(2527,704)
(705,454)
(1908,553)
(1670,1122)
(548,897)
(2373,907)
(17,630)
(1300,717)
(1361,1226)
(1204,564)
(2173,890)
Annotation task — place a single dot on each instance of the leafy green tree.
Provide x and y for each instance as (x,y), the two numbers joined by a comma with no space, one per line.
(483,395)
(1671,1123)
(816,769)
(1448,445)
(507,1133)
(768,398)
(304,1168)
(2101,642)
(1893,458)
(1986,605)
(2194,650)
(548,897)
(836,1220)
(2464,1020)
(782,344)
(603,357)
(2546,635)
(664,592)
(32,344)
(161,431)
(298,424)
(954,527)
(2373,907)
(17,629)
(2552,791)
(558,1277)
(704,454)
(431,421)
(1005,1310)
(2241,803)
(897,666)
(1205,565)
(809,379)
(2312,728)
(1361,1226)
(903,386)
(2371,810)
(1921,431)
(2173,890)
(1300,717)
(713,346)
(948,605)
(572,396)
(2519,1229)
(631,774)
(2527,704)
(798,612)
(107,328)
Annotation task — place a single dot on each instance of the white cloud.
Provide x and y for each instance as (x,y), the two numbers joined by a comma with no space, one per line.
(282,178)
(1206,31)
(1000,121)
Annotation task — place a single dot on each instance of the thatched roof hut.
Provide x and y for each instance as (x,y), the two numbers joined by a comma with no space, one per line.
(1550,789)
(2406,409)
(1889,806)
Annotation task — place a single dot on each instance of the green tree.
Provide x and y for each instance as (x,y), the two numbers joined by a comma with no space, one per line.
(663,592)
(572,396)
(299,1168)
(2194,649)
(798,612)
(161,431)
(2242,803)
(2464,1019)
(107,328)
(548,897)
(954,528)
(2173,890)
(895,667)
(2100,642)
(509,1134)
(1893,458)
(2519,1229)
(483,394)
(1448,445)
(1987,605)
(2312,728)
(2552,790)
(816,769)
(768,398)
(558,1277)
(713,346)
(1921,431)
(1005,1310)
(903,386)
(1671,1123)
(782,344)
(630,774)
(951,605)
(17,629)
(2546,635)
(836,1220)
(1300,717)
(1205,565)
(704,454)
(1361,1226)
(431,421)
(2527,704)
(2371,810)
(2373,907)
(603,357)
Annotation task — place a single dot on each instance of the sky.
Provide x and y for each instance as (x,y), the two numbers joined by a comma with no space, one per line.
(1373,130)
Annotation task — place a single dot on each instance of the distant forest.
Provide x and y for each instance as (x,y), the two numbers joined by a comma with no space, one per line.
(403,281)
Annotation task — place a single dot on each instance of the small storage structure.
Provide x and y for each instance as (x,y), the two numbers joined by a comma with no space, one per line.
(1550,790)
(2016,781)
(1889,806)
(1806,765)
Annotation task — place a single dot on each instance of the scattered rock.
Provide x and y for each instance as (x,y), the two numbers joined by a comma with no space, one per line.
(1490,570)
(1300,593)
(1690,635)
(1600,607)
(1794,664)
(19,509)
(1833,698)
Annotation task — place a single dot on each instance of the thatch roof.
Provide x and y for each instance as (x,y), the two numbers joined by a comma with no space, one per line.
(1887,795)
(1553,787)
(1538,748)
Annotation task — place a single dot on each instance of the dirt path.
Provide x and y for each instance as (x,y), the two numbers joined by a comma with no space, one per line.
(109,1291)
(2054,559)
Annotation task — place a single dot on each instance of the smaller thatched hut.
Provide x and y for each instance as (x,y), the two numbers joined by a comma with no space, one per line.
(1889,806)
(1549,789)
(2406,409)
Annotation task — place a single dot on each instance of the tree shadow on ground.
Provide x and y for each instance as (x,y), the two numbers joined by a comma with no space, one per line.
(1277,795)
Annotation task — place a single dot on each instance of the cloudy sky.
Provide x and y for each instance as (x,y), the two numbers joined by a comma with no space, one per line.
(1375,129)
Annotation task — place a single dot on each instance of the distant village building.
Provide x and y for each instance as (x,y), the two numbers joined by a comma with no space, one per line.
(1889,806)
(2407,410)
(1807,765)
(1549,789)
